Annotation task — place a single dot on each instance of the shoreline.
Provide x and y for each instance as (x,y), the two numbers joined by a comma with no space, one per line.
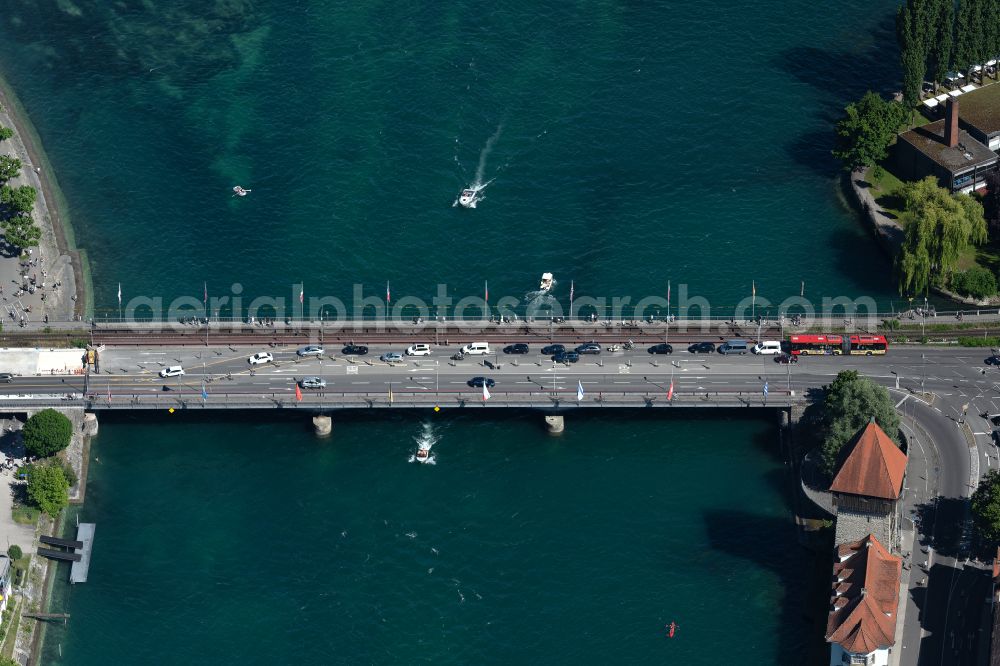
(27,138)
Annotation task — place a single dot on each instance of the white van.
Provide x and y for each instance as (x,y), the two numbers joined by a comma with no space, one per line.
(767,347)
(418,349)
(172,371)
(476,348)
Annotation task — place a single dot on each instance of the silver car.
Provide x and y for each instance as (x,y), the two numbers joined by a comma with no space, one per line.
(310,350)
(312,383)
(391,357)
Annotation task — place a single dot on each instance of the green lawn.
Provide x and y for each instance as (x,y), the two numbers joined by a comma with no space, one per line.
(25,515)
(886,188)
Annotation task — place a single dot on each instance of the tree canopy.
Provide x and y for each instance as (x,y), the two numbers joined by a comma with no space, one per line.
(5,133)
(986,506)
(866,130)
(977,282)
(21,231)
(941,227)
(47,432)
(10,167)
(18,199)
(48,488)
(851,402)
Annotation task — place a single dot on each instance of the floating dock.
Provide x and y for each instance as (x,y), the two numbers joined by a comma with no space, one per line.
(62,555)
(63,543)
(84,535)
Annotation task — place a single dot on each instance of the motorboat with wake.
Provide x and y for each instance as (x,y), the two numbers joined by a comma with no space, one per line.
(546,283)
(468,198)
(240,192)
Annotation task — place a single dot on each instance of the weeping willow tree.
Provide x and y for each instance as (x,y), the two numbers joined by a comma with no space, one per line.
(940,229)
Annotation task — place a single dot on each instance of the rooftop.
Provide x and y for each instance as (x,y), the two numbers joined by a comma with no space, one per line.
(873,466)
(981,109)
(929,139)
(865,597)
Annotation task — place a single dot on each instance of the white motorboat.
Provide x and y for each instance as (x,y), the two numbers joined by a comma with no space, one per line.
(423,455)
(546,282)
(468,198)
(240,192)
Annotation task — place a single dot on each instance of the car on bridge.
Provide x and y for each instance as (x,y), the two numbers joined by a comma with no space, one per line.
(260,358)
(312,383)
(589,348)
(550,350)
(785,357)
(310,350)
(172,371)
(516,348)
(702,348)
(566,357)
(354,350)
(391,357)
(6,377)
(418,349)
(477,382)
(662,348)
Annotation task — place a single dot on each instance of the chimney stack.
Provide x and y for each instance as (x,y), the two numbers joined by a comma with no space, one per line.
(951,123)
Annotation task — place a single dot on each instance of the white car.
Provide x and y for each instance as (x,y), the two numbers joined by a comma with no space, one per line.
(419,349)
(172,371)
(260,358)
(767,347)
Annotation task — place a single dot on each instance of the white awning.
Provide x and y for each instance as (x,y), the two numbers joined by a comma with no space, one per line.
(930,103)
(955,93)
(942,97)
(968,88)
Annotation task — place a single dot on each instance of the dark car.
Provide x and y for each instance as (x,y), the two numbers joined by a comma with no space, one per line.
(662,348)
(477,382)
(996,438)
(992,360)
(354,350)
(553,349)
(785,357)
(566,357)
(702,348)
(589,348)
(517,348)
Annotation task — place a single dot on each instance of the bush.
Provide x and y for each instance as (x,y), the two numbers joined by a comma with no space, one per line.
(890,324)
(48,488)
(47,432)
(978,342)
(68,472)
(976,282)
(14,552)
(5,133)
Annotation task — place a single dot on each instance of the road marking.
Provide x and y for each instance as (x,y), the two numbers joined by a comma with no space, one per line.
(905,398)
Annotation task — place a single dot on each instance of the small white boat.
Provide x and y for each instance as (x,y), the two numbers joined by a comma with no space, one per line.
(240,192)
(546,282)
(423,455)
(468,198)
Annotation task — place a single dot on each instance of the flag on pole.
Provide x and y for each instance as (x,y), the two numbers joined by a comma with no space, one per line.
(579,390)
(486,287)
(390,393)
(204,392)
(119,294)
(486,391)
(302,293)
(765,388)
(109,392)
(205,297)
(668,298)
(571,294)
(388,297)
(670,391)
(298,392)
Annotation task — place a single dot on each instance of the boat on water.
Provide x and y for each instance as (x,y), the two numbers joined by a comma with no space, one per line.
(546,282)
(469,198)
(423,455)
(240,192)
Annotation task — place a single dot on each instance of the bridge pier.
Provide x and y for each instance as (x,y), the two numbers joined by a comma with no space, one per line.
(555,424)
(90,424)
(323,425)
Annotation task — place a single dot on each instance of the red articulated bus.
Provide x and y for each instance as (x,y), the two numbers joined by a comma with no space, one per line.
(867,345)
(816,344)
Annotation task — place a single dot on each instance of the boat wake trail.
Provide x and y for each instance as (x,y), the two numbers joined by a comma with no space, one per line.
(487,149)
(425,440)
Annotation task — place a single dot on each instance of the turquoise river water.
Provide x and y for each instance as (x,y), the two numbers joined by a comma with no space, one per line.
(634,143)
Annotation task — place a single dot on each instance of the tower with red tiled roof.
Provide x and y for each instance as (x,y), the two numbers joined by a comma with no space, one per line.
(861,626)
(867,486)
